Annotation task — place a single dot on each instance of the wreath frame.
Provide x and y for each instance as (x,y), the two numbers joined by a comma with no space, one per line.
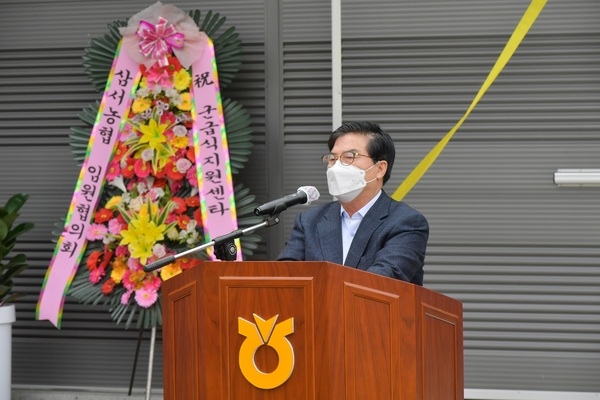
(98,59)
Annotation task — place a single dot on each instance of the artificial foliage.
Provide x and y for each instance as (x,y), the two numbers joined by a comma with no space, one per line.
(11,267)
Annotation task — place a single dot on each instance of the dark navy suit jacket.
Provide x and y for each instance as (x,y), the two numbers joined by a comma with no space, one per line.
(391,239)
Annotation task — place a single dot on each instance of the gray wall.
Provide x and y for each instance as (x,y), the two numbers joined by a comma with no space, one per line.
(521,253)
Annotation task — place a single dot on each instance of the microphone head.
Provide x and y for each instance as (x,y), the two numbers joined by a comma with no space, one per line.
(312,194)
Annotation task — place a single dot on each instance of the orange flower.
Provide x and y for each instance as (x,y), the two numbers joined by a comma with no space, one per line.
(193,201)
(198,217)
(107,256)
(160,182)
(137,278)
(170,271)
(172,172)
(129,170)
(180,205)
(190,154)
(120,151)
(119,266)
(174,65)
(93,259)
(103,215)
(189,262)
(108,287)
(182,221)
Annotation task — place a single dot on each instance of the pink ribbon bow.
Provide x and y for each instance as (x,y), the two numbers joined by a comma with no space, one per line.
(157,41)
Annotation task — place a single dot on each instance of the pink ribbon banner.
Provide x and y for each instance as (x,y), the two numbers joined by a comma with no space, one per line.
(215,185)
(122,81)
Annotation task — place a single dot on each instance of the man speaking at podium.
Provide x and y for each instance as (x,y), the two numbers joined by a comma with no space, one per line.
(365,228)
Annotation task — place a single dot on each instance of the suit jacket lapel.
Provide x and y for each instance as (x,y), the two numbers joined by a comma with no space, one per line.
(368,225)
(330,234)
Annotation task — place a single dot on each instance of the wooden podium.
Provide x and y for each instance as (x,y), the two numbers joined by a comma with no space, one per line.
(339,333)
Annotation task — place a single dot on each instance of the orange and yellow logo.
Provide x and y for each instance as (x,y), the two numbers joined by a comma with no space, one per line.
(273,335)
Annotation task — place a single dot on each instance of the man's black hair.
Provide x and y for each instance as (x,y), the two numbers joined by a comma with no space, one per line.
(380,147)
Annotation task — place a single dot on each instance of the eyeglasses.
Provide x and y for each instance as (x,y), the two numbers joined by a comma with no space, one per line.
(346,158)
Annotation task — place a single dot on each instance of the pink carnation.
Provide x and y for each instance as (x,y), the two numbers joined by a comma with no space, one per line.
(115,226)
(96,232)
(171,218)
(114,170)
(121,251)
(126,281)
(175,185)
(141,168)
(134,264)
(96,275)
(153,283)
(158,77)
(126,296)
(191,176)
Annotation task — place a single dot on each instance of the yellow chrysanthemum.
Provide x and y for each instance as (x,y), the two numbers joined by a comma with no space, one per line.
(180,142)
(181,80)
(119,266)
(186,102)
(113,202)
(144,211)
(141,104)
(170,271)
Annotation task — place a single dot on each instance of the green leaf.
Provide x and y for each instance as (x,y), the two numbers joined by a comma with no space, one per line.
(8,239)
(4,289)
(10,298)
(3,229)
(19,230)
(14,204)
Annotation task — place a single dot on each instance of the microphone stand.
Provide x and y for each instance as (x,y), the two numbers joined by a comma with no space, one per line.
(225,248)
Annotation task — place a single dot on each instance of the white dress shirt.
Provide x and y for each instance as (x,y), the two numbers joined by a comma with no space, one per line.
(350,224)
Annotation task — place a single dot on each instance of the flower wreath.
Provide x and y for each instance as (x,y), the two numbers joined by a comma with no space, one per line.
(149,207)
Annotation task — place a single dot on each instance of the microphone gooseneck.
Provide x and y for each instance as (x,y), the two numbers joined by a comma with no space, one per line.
(304,195)
(225,248)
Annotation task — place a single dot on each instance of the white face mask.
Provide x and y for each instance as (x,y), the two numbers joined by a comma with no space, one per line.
(346,182)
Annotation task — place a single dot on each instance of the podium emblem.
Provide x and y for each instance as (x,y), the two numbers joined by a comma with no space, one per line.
(270,334)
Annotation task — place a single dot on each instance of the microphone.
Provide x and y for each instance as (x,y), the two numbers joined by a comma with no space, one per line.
(304,195)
